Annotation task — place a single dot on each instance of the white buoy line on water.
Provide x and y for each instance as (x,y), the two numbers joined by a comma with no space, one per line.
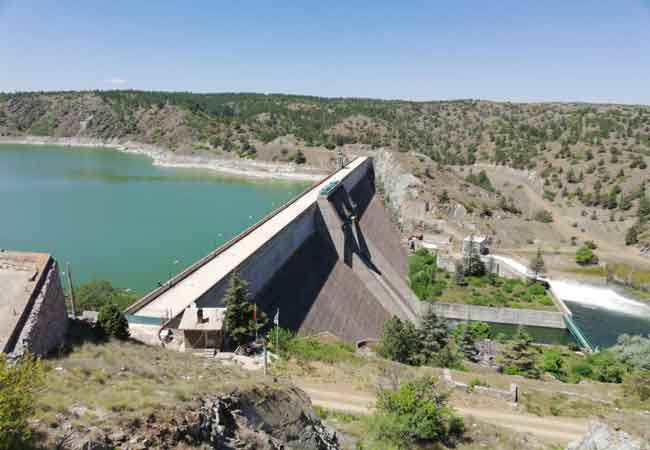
(585,294)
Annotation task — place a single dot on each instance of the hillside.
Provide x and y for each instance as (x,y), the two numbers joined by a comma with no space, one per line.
(585,164)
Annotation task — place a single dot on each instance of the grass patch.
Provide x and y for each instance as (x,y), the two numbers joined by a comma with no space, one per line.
(117,382)
(498,292)
(312,348)
(430,283)
(544,404)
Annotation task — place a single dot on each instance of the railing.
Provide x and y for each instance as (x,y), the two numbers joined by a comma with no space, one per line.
(577,333)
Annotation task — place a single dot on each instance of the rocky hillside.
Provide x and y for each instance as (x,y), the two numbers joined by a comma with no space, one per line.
(125,395)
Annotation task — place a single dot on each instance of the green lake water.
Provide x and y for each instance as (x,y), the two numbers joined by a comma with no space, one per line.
(117,217)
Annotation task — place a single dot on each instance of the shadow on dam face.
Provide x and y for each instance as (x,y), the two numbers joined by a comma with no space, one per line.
(316,291)
(296,286)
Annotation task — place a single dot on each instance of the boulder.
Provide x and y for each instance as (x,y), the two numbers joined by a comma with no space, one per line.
(602,437)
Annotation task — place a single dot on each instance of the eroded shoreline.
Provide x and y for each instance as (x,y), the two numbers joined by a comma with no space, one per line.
(165,158)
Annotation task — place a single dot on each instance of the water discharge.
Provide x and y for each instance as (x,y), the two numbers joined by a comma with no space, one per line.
(598,297)
(602,313)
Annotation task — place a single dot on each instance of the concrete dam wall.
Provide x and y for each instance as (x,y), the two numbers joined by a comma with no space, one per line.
(330,260)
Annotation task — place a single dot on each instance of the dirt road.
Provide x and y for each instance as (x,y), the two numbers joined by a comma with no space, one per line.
(551,430)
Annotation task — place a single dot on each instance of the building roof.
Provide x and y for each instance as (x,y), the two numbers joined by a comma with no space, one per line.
(19,278)
(212,319)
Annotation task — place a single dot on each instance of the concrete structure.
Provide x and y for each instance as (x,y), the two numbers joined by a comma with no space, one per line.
(33,315)
(510,316)
(203,327)
(330,260)
(478,244)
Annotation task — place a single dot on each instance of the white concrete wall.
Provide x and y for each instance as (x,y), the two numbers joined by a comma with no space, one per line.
(258,269)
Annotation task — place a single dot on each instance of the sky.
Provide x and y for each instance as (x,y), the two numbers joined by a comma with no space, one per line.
(514,50)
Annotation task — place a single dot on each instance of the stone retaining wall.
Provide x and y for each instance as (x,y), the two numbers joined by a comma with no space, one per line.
(47,323)
(510,395)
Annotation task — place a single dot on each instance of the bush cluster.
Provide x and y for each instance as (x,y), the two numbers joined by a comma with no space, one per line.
(414,415)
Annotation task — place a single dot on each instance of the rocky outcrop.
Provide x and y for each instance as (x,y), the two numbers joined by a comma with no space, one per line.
(262,418)
(602,437)
(400,188)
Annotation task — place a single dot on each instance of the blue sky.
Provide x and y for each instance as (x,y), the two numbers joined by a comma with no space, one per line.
(525,50)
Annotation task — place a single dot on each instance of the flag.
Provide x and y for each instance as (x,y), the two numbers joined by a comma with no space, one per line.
(276,318)
(255,312)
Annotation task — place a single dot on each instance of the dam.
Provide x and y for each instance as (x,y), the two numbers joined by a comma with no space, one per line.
(331,260)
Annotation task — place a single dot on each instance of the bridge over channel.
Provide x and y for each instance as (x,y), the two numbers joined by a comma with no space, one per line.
(331,260)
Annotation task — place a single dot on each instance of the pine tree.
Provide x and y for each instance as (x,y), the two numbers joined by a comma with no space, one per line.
(239,319)
(467,344)
(459,275)
(520,357)
(537,264)
(474,266)
(433,335)
(113,321)
(400,341)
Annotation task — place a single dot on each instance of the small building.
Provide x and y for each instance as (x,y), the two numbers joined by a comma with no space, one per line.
(478,244)
(203,328)
(33,313)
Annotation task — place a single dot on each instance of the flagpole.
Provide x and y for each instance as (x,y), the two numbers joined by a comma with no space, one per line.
(255,319)
(277,331)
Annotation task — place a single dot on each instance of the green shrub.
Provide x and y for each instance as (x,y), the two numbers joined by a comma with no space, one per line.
(585,256)
(113,321)
(634,350)
(543,216)
(478,330)
(19,384)
(520,356)
(607,368)
(414,415)
(637,384)
(314,349)
(471,386)
(553,362)
(280,340)
(536,289)
(95,294)
(400,341)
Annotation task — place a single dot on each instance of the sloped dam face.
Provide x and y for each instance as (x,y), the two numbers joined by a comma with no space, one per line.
(331,260)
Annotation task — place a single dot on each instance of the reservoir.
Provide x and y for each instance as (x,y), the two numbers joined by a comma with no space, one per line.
(117,217)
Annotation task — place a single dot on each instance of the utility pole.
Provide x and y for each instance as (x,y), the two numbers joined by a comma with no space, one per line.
(72,304)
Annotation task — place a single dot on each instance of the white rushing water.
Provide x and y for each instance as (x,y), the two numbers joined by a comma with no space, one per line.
(598,297)
(514,265)
(585,294)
